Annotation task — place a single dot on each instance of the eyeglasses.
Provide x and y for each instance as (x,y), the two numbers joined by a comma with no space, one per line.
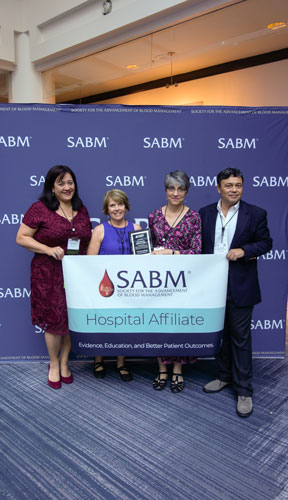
(172,189)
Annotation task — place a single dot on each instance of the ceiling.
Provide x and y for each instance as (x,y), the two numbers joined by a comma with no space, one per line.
(234,32)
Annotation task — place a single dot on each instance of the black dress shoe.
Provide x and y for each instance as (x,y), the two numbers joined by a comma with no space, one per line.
(127,375)
(176,385)
(160,383)
(99,373)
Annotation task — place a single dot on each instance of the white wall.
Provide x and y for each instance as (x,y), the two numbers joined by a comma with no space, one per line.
(66,29)
(57,31)
(60,30)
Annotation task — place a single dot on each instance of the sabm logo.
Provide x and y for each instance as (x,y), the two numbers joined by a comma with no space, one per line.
(275,255)
(201,181)
(125,180)
(237,143)
(15,141)
(14,293)
(151,279)
(270,181)
(163,142)
(267,324)
(106,286)
(38,329)
(37,180)
(87,142)
(11,218)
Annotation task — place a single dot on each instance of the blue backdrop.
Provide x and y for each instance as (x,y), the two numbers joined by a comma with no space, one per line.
(132,148)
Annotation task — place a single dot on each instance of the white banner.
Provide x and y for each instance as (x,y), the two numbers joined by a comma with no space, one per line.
(126,304)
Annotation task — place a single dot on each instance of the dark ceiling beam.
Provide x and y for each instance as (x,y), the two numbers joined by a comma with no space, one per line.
(218,69)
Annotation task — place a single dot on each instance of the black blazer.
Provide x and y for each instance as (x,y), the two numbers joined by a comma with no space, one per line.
(251,234)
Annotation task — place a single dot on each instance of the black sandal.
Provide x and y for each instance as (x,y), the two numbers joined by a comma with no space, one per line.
(99,373)
(176,385)
(126,377)
(160,383)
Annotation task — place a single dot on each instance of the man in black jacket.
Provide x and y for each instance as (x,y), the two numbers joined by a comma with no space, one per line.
(240,231)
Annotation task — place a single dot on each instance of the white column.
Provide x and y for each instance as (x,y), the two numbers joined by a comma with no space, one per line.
(26,84)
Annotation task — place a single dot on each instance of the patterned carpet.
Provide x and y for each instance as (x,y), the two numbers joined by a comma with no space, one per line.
(106,439)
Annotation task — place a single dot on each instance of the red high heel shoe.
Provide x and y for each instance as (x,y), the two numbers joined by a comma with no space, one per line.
(67,380)
(54,385)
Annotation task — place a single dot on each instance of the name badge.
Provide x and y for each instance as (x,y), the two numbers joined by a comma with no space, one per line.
(73,246)
(221,248)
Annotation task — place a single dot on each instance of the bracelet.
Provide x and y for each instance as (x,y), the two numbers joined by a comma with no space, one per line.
(173,252)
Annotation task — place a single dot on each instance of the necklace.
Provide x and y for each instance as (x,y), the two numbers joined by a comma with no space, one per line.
(70,219)
(121,235)
(65,215)
(172,225)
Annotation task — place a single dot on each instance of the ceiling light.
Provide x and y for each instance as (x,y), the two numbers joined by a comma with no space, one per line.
(172,82)
(161,57)
(132,66)
(277,26)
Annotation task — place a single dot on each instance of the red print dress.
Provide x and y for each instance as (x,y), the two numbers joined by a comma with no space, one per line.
(48,302)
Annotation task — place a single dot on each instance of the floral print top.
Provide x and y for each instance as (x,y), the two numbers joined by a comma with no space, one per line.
(184,237)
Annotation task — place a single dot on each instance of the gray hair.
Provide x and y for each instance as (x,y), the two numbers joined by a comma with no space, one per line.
(177,178)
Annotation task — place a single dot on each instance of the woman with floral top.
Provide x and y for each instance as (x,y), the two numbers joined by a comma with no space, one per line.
(175,229)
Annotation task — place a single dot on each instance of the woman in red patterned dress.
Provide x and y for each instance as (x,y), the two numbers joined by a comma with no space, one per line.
(59,221)
(175,229)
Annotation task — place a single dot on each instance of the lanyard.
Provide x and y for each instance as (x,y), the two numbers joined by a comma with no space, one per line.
(224,225)
(121,236)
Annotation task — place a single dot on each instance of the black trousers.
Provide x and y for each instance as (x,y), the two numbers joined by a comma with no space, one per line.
(235,356)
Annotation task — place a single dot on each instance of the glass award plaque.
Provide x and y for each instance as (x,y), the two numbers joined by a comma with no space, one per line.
(140,241)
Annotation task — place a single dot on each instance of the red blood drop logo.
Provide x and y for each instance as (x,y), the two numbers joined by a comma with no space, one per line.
(106,287)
